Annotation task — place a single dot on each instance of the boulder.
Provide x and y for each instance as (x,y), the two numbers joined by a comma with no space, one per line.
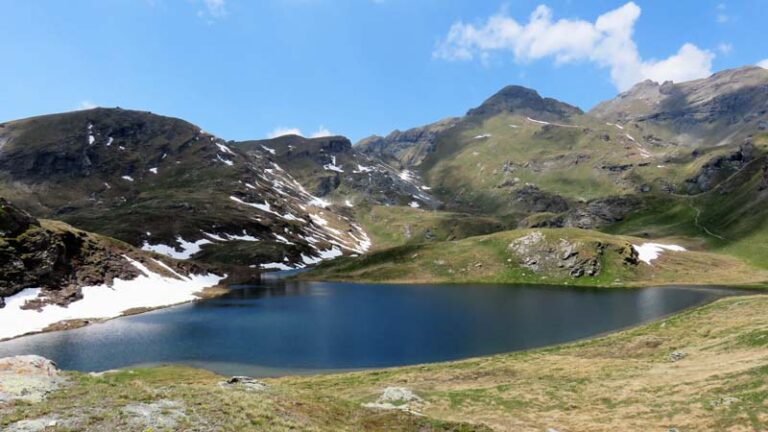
(29,378)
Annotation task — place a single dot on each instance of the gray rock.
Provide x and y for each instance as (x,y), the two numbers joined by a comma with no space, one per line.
(29,378)
(245,382)
(33,425)
(400,398)
(676,356)
(160,415)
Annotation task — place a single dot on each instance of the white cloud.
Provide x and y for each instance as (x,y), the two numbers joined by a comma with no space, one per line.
(281,131)
(322,131)
(213,9)
(607,42)
(86,105)
(724,48)
(722,17)
(763,64)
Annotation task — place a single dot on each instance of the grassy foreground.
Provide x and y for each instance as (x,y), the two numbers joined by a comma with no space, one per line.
(705,369)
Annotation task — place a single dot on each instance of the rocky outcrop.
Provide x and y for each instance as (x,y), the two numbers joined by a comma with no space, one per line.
(601,212)
(534,200)
(398,398)
(719,168)
(407,148)
(54,257)
(539,255)
(27,378)
(565,258)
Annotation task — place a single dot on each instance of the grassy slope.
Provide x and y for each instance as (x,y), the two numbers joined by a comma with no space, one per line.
(624,381)
(563,160)
(487,259)
(729,219)
(396,226)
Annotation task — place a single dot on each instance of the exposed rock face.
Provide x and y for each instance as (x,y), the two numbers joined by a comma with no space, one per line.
(330,167)
(723,108)
(14,221)
(28,378)
(601,212)
(720,167)
(535,200)
(407,148)
(560,257)
(538,254)
(58,260)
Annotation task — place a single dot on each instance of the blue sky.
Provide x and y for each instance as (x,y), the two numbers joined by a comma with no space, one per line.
(245,68)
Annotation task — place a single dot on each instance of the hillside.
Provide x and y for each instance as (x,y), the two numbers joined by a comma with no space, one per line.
(165,185)
(331,169)
(545,256)
(723,109)
(685,159)
(56,276)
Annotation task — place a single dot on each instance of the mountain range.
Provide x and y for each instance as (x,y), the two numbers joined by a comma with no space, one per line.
(683,163)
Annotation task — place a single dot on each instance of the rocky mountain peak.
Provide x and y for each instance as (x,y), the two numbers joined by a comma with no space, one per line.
(518,99)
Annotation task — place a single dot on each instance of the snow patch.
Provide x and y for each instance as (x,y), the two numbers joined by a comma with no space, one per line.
(263,207)
(127,178)
(332,166)
(275,266)
(148,290)
(225,149)
(537,121)
(153,170)
(226,161)
(406,175)
(232,237)
(188,249)
(271,150)
(319,202)
(331,253)
(648,252)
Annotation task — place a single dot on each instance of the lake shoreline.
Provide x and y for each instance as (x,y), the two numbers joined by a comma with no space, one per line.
(711,358)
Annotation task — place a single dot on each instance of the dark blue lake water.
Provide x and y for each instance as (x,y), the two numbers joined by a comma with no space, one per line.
(293,327)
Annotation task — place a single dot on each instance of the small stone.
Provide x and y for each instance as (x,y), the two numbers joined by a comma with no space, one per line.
(246,382)
(677,356)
